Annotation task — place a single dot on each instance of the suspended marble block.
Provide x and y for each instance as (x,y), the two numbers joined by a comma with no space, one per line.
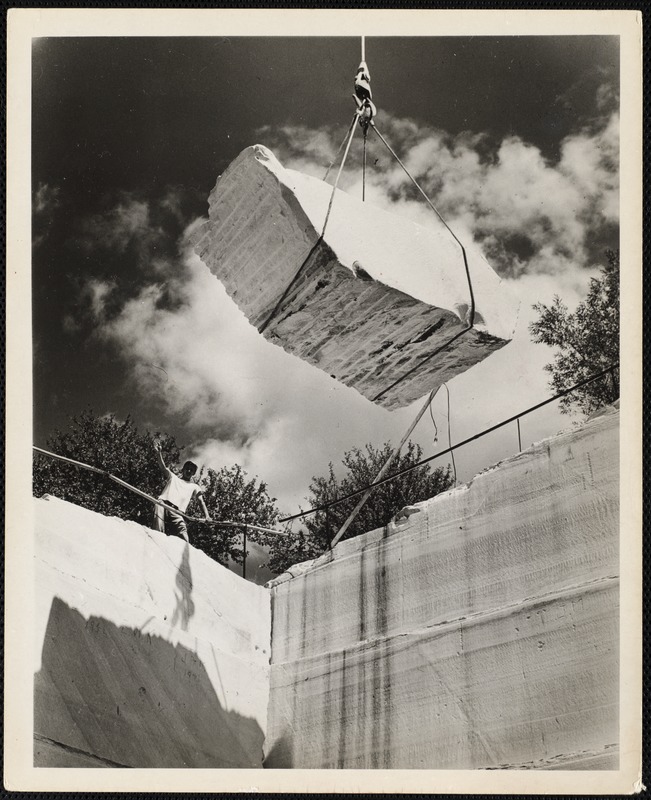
(375,296)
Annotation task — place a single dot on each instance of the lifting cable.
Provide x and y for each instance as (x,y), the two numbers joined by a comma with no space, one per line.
(154,500)
(327,506)
(388,478)
(436,427)
(332,163)
(366,110)
(436,431)
(274,311)
(383,469)
(365,113)
(471,317)
(364,166)
(454,466)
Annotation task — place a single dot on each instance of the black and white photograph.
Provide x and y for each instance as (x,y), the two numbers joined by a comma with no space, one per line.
(323,325)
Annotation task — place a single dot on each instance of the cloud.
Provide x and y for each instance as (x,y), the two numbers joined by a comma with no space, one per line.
(193,356)
(526,213)
(45,200)
(199,362)
(147,228)
(312,151)
(96,293)
(590,162)
(123,224)
(239,399)
(594,95)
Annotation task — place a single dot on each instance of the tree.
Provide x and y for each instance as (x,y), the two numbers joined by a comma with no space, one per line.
(361,466)
(229,495)
(114,446)
(119,448)
(587,341)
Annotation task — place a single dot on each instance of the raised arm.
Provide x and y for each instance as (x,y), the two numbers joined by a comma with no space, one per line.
(161,464)
(203,505)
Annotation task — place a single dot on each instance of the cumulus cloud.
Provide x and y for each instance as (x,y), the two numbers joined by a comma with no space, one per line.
(526,213)
(96,293)
(239,399)
(45,200)
(134,224)
(310,150)
(123,224)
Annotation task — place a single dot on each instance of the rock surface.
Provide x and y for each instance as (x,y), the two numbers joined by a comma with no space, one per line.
(478,631)
(375,296)
(149,653)
(481,632)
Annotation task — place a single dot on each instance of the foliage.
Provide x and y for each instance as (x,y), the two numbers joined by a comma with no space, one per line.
(228,495)
(119,448)
(587,341)
(362,466)
(114,446)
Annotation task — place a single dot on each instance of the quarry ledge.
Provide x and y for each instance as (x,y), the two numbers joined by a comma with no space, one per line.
(350,548)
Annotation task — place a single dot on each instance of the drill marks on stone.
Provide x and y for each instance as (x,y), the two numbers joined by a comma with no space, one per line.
(490,619)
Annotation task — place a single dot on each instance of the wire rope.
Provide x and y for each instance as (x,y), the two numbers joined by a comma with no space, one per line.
(471,314)
(364,165)
(281,300)
(154,500)
(436,429)
(470,439)
(332,163)
(454,466)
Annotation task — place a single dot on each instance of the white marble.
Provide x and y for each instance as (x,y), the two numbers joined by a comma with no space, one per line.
(376,295)
(148,653)
(481,631)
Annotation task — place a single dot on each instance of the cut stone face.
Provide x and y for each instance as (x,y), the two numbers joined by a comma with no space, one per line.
(480,632)
(370,302)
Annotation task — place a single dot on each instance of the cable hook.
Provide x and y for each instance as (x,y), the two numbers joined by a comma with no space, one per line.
(363,95)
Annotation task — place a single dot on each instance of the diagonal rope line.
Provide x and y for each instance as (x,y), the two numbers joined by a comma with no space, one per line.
(154,500)
(364,165)
(351,517)
(454,466)
(465,263)
(351,133)
(281,300)
(332,163)
(432,206)
(495,427)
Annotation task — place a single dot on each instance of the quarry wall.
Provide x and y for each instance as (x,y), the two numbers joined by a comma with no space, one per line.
(479,631)
(148,653)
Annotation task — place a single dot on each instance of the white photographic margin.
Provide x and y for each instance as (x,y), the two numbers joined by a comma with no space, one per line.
(25,24)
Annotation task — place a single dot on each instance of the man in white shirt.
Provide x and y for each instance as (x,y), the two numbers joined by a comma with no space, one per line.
(178,492)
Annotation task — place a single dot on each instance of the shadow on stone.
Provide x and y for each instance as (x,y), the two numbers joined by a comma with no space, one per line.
(109,695)
(280,756)
(184,610)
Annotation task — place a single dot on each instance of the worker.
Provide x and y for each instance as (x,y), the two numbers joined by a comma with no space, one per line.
(178,493)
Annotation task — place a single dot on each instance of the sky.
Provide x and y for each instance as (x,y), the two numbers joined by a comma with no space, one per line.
(515,139)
